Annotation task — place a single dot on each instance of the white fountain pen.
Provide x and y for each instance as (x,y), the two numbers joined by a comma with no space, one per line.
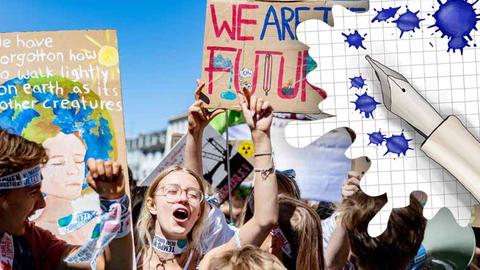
(447,142)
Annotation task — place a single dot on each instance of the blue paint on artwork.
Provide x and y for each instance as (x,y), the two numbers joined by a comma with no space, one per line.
(6,93)
(326,11)
(97,136)
(431,44)
(228,95)
(271,14)
(397,144)
(355,40)
(99,140)
(298,10)
(287,91)
(17,124)
(288,15)
(376,138)
(408,21)
(456,19)
(221,62)
(311,64)
(357,82)
(365,104)
(385,14)
(8,120)
(286,20)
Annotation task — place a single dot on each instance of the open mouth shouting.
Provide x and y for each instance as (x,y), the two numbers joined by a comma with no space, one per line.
(181,214)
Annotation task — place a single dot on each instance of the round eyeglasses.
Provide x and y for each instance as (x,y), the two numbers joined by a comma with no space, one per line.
(173,192)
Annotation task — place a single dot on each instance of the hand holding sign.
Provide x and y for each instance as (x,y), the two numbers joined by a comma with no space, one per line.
(106,178)
(198,115)
(352,185)
(257,112)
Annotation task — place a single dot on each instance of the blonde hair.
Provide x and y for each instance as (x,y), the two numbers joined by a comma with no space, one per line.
(303,229)
(246,258)
(146,222)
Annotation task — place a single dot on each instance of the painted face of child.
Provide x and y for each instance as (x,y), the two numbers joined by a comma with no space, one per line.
(64,173)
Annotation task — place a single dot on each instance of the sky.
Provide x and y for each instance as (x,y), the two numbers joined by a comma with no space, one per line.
(160,45)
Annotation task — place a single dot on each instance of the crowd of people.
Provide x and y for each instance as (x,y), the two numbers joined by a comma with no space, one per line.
(177,224)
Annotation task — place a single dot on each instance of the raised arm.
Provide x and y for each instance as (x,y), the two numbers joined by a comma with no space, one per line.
(106,178)
(259,116)
(337,250)
(198,119)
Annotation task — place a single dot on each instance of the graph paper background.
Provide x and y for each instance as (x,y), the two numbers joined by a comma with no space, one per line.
(449,81)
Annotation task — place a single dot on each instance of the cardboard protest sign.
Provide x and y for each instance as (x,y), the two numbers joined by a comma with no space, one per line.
(253,44)
(62,90)
(214,162)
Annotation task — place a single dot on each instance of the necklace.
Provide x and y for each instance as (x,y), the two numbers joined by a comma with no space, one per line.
(162,262)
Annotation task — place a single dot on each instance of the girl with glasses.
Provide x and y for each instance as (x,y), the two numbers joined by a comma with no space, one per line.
(173,231)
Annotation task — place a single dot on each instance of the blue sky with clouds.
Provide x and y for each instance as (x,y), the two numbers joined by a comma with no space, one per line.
(160,44)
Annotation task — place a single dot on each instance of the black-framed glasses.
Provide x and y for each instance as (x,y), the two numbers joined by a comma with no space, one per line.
(173,192)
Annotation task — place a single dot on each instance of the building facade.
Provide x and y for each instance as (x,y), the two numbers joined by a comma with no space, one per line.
(147,150)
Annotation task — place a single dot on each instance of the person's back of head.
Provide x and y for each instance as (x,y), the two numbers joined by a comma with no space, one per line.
(246,258)
(393,249)
(302,228)
(287,185)
(17,153)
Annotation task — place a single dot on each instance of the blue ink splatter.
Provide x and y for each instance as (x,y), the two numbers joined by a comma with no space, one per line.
(456,19)
(228,95)
(220,62)
(385,14)
(397,144)
(408,21)
(376,138)
(354,40)
(431,44)
(365,104)
(357,82)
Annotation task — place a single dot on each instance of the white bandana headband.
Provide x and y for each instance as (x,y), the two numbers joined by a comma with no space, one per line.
(169,246)
(115,222)
(25,178)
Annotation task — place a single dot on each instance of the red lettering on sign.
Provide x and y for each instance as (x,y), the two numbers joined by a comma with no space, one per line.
(244,21)
(230,29)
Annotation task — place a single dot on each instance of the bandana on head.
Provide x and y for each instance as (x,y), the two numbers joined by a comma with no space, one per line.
(25,178)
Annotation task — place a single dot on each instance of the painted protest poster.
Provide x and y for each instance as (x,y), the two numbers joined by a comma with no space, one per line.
(253,44)
(214,161)
(62,89)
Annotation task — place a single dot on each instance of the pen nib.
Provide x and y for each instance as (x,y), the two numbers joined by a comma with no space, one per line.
(383,73)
